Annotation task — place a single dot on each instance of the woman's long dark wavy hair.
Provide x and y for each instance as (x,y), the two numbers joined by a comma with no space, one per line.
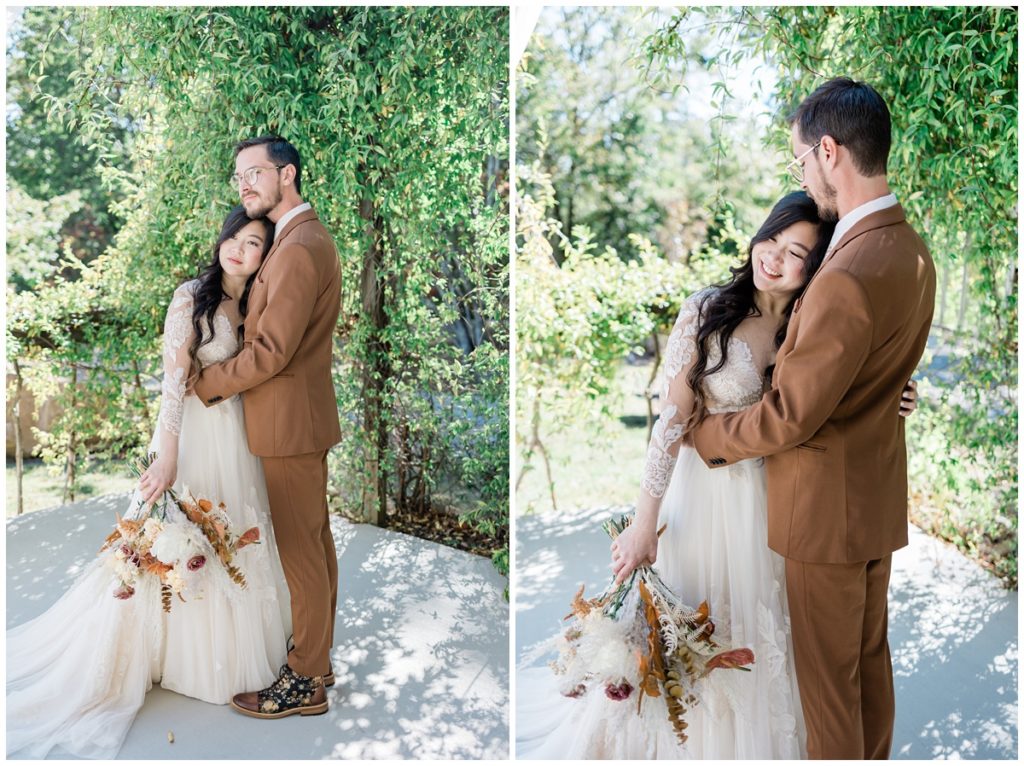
(210,292)
(722,310)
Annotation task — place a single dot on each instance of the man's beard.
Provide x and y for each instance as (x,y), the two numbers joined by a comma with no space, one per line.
(264,207)
(828,211)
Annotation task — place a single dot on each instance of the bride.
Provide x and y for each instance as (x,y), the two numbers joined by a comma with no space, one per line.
(718,359)
(78,674)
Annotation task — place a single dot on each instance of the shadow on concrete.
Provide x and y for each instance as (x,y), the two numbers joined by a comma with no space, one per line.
(420,656)
(952,631)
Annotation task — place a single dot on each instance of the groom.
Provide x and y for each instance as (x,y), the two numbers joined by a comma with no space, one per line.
(837,462)
(291,415)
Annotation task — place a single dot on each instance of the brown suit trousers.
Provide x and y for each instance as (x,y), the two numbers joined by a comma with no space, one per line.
(836,464)
(839,618)
(291,418)
(297,488)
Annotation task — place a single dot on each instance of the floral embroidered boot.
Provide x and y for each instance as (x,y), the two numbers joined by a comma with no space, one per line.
(291,693)
(328,676)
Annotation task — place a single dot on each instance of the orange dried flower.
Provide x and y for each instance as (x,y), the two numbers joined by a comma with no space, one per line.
(732,659)
(250,536)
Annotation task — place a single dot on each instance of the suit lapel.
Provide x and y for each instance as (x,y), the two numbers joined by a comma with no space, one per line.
(887,217)
(306,215)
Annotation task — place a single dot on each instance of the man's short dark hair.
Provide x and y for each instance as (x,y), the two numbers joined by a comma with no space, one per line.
(280,152)
(854,115)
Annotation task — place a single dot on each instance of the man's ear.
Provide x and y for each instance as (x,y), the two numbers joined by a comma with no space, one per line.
(828,151)
(288,175)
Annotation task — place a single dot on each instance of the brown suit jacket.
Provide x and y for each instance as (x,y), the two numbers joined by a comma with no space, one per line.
(284,366)
(834,446)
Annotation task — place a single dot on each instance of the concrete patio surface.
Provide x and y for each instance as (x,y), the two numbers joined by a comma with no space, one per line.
(952,631)
(421,652)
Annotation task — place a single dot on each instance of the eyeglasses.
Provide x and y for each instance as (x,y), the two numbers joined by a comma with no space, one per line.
(796,167)
(250,175)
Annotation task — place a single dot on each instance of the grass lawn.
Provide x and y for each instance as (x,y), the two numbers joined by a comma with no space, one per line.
(44,490)
(592,467)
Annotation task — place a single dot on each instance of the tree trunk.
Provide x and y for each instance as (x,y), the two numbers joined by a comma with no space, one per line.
(648,394)
(964,290)
(965,283)
(422,488)
(140,390)
(491,180)
(376,368)
(19,455)
(568,214)
(544,453)
(577,132)
(943,292)
(69,468)
(536,444)
(402,464)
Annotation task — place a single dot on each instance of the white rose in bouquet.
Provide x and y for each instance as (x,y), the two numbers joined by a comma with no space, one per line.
(152,529)
(175,543)
(123,569)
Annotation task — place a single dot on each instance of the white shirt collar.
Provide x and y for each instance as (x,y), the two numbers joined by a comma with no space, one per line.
(847,221)
(283,221)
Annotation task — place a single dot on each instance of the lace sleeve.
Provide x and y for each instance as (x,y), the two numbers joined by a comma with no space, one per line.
(676,397)
(178,335)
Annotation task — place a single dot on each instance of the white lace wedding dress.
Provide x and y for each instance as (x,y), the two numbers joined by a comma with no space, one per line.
(715,547)
(78,674)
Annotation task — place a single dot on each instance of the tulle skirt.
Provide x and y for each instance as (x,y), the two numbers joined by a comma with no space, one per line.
(714,548)
(78,674)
